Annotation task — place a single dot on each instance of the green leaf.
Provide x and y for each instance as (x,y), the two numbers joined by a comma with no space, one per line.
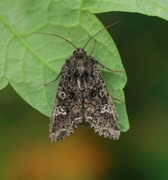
(29,60)
(148,7)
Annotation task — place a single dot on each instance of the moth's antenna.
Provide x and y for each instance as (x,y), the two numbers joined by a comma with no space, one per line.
(59,37)
(99,32)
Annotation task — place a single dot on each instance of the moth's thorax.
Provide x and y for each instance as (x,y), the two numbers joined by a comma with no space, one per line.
(80,61)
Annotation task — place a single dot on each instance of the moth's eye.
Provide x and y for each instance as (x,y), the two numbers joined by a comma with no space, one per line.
(74,52)
(85,52)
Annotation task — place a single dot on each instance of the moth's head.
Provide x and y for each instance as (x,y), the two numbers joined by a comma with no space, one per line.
(79,52)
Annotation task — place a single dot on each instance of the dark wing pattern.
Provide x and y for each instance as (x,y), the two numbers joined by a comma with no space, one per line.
(67,111)
(99,110)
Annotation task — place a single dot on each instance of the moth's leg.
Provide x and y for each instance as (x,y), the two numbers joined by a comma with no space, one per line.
(53,80)
(117,99)
(103,66)
(93,48)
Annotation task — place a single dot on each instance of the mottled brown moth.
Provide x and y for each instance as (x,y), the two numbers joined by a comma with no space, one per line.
(82,98)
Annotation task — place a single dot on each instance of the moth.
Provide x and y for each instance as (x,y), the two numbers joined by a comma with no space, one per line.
(82,98)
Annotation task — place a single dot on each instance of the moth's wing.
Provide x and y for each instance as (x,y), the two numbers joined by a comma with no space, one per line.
(67,110)
(99,110)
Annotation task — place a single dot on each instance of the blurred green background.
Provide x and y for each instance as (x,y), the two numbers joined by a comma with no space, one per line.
(141,153)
